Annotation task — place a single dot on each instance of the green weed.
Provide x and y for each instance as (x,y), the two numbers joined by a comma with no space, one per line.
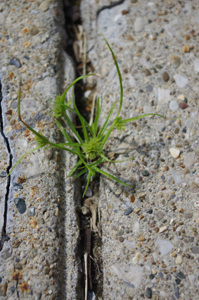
(90,149)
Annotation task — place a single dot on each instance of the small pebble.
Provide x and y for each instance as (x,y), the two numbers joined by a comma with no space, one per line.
(15,62)
(139,24)
(44,6)
(149,88)
(31,212)
(136,210)
(132,198)
(145,173)
(165,77)
(120,232)
(176,292)
(181,81)
(176,177)
(189,159)
(195,250)
(147,72)
(174,152)
(3,174)
(178,280)
(89,192)
(148,293)
(180,275)
(163,228)
(20,204)
(17,186)
(173,105)
(176,61)
(178,260)
(183,105)
(128,211)
(136,258)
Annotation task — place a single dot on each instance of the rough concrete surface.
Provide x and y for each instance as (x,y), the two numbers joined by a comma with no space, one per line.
(150,231)
(37,203)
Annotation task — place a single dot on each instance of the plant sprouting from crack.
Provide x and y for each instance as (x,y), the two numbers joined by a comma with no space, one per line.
(90,150)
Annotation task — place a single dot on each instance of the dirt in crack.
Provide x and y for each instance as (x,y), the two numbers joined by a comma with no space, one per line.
(90,244)
(3,235)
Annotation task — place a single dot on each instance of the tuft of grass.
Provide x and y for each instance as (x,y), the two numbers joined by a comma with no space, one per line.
(90,150)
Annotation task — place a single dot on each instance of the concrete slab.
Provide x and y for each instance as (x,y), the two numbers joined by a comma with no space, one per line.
(152,252)
(40,229)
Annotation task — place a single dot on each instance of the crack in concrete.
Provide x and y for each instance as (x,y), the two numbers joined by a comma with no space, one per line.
(4,236)
(109,6)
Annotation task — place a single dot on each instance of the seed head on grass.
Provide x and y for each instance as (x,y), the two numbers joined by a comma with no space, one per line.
(92,148)
(41,140)
(119,124)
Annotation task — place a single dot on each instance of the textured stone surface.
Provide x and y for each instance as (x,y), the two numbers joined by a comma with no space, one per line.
(41,216)
(171,188)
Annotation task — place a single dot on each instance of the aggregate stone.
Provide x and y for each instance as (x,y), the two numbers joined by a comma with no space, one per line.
(163,95)
(165,77)
(148,293)
(20,204)
(180,275)
(160,215)
(177,178)
(173,105)
(128,211)
(139,24)
(195,250)
(189,160)
(145,173)
(31,212)
(3,174)
(164,246)
(15,61)
(17,186)
(181,81)
(149,88)
(44,6)
(176,292)
(183,105)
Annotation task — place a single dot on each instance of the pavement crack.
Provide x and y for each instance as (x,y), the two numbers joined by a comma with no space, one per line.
(109,6)
(4,236)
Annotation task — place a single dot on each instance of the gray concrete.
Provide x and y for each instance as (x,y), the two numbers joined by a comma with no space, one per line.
(151,253)
(37,260)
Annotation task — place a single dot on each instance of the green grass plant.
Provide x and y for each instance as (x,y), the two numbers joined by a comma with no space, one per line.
(90,149)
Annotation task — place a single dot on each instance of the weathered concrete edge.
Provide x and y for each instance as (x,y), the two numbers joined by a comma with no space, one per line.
(14,246)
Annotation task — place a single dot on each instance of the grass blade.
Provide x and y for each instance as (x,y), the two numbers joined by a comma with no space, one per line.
(111,176)
(75,168)
(35,149)
(119,75)
(80,173)
(65,134)
(142,116)
(76,80)
(82,120)
(95,123)
(103,128)
(87,184)
(72,127)
(115,161)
